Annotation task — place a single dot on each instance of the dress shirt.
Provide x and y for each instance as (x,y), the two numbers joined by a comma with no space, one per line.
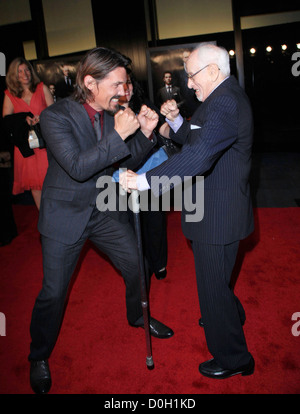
(91,113)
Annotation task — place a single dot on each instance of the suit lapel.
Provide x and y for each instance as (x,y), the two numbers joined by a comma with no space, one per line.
(108,123)
(82,121)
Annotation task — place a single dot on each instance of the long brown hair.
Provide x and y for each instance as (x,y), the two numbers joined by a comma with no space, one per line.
(98,63)
(12,78)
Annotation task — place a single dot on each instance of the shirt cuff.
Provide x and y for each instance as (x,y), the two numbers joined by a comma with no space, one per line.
(176,124)
(142,183)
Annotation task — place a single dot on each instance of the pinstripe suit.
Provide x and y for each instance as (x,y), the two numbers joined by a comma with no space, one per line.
(217,144)
(68,213)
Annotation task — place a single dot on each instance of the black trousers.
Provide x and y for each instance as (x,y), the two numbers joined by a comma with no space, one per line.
(154,237)
(117,241)
(221,311)
(155,243)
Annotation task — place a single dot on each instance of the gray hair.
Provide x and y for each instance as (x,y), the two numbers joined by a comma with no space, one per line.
(210,53)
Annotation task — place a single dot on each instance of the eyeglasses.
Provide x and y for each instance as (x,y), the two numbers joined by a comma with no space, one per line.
(198,71)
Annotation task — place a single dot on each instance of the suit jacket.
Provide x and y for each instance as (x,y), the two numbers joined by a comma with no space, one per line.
(163,95)
(76,161)
(217,144)
(63,89)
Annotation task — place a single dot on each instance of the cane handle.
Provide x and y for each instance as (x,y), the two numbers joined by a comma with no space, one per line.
(135,201)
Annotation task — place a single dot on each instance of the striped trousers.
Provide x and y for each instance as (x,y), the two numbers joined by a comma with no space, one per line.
(221,311)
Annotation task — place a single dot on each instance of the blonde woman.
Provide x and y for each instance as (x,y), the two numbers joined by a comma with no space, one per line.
(25,93)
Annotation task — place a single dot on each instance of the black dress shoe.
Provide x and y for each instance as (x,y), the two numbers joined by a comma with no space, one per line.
(157,329)
(212,370)
(161,274)
(40,378)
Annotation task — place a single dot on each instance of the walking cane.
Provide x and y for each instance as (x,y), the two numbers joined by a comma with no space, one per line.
(144,295)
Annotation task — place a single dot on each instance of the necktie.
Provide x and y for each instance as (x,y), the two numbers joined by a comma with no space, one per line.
(97,126)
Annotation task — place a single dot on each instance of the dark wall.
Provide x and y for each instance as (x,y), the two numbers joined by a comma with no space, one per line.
(124,30)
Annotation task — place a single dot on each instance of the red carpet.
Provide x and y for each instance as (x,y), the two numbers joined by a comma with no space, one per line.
(98,353)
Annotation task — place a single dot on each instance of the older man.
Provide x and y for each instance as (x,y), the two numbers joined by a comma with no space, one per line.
(216,144)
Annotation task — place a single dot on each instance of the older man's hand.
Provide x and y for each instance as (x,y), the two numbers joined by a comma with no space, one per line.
(170,110)
(128,180)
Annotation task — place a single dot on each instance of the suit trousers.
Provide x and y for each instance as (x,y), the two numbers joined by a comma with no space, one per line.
(155,242)
(221,311)
(117,241)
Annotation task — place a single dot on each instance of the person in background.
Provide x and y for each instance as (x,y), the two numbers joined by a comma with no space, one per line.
(217,144)
(168,91)
(65,86)
(26,94)
(154,223)
(52,89)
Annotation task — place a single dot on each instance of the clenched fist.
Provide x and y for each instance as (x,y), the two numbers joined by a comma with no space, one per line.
(126,123)
(148,120)
(170,109)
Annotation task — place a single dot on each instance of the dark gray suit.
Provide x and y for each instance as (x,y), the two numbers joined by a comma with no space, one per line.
(69,216)
(217,144)
(163,95)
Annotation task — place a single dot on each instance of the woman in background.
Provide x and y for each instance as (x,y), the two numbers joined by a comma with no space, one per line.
(25,93)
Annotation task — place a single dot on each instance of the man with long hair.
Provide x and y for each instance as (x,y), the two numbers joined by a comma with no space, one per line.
(79,153)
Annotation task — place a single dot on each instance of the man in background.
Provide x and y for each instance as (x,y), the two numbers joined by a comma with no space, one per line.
(65,86)
(168,91)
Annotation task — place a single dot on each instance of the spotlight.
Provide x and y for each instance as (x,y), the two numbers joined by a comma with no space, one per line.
(269,49)
(231,53)
(298,45)
(283,47)
(252,51)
